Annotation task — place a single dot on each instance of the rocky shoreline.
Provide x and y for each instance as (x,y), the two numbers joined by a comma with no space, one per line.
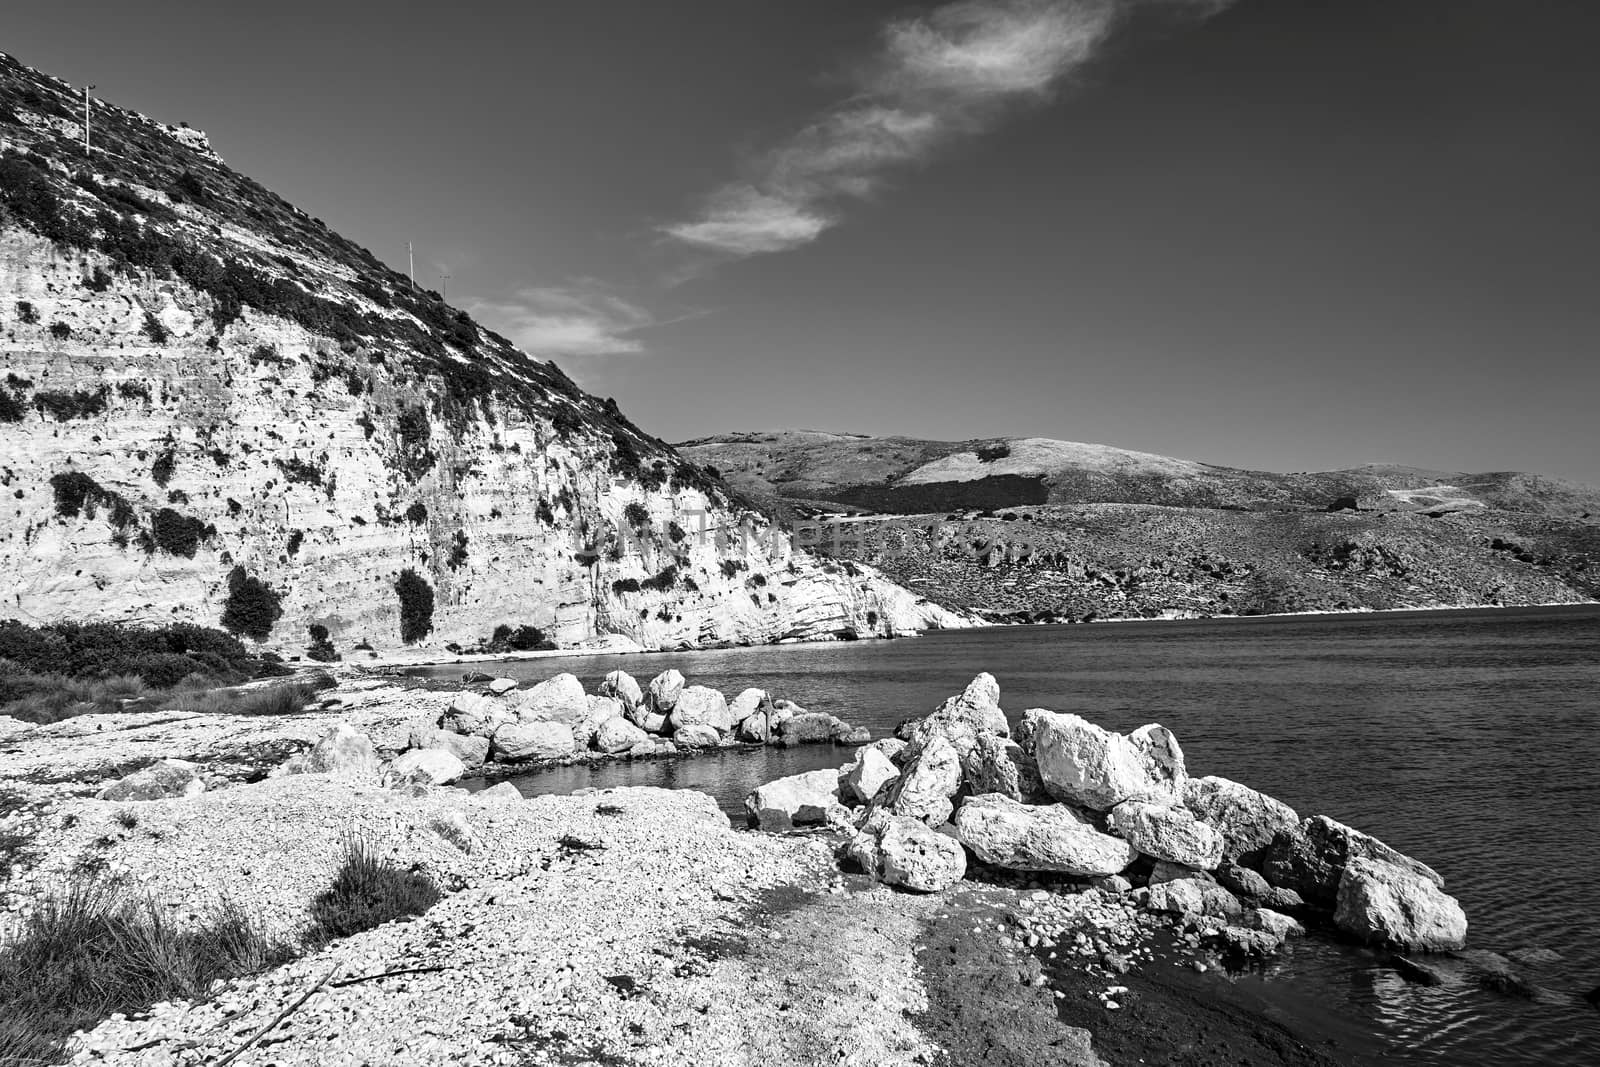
(590,928)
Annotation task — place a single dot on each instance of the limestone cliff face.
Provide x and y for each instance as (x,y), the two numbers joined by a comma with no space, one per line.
(200,385)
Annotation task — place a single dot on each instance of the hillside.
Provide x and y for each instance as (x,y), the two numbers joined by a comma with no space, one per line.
(1029,528)
(217,410)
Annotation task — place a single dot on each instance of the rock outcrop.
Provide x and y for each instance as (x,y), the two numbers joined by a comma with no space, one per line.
(1004,833)
(1396,905)
(162,780)
(218,411)
(1088,765)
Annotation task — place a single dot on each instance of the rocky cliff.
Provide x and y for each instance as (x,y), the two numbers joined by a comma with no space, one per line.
(1033,529)
(214,409)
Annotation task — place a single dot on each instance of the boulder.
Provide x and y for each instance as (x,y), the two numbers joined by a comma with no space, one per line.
(618,735)
(845,734)
(560,699)
(755,729)
(926,784)
(1082,763)
(748,703)
(1251,942)
(343,752)
(664,690)
(1384,903)
(622,686)
(867,775)
(162,780)
(1250,885)
(1311,859)
(696,736)
(997,764)
(502,686)
(517,741)
(1275,923)
(914,857)
(699,705)
(807,728)
(476,714)
(600,711)
(1194,896)
(1166,871)
(499,793)
(962,720)
(797,800)
(427,766)
(1167,833)
(1027,732)
(470,749)
(1248,820)
(1004,833)
(892,747)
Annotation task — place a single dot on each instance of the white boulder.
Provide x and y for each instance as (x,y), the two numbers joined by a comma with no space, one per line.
(664,690)
(560,699)
(748,703)
(1053,837)
(1088,765)
(343,752)
(476,714)
(430,766)
(914,857)
(794,801)
(1385,903)
(864,778)
(699,705)
(1248,819)
(618,735)
(518,741)
(1167,833)
(927,782)
(162,780)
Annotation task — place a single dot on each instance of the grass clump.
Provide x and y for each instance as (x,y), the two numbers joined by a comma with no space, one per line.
(367,891)
(91,950)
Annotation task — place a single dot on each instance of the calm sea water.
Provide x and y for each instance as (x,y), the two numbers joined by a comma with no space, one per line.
(1468,739)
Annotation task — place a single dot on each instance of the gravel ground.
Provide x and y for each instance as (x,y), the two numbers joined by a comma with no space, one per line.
(663,938)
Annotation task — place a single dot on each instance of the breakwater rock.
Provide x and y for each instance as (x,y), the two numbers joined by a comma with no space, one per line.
(1064,796)
(495,721)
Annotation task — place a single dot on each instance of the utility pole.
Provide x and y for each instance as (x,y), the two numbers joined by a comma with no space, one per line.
(411,265)
(444,285)
(86,89)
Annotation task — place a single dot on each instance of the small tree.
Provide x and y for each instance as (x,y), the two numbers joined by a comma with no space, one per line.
(416,606)
(252,607)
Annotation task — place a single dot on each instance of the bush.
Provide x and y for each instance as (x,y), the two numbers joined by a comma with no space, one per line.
(178,534)
(731,568)
(78,494)
(79,404)
(520,639)
(625,585)
(417,513)
(154,330)
(252,608)
(60,331)
(368,891)
(458,551)
(11,409)
(160,656)
(990,453)
(91,950)
(164,466)
(321,648)
(416,606)
(662,582)
(636,514)
(27,313)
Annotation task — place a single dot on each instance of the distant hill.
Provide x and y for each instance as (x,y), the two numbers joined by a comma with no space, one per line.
(1037,528)
(902,475)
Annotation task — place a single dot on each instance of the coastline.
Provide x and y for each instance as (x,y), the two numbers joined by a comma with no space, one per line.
(398,659)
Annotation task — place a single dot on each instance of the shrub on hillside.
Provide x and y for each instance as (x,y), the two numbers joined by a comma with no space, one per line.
(78,404)
(164,466)
(178,534)
(367,891)
(252,607)
(321,648)
(11,408)
(160,656)
(636,514)
(154,329)
(518,639)
(990,453)
(416,606)
(27,314)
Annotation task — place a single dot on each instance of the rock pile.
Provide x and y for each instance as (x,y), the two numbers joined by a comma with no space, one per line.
(1119,811)
(556,721)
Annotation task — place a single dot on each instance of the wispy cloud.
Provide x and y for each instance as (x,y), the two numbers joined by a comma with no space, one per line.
(949,73)
(578,319)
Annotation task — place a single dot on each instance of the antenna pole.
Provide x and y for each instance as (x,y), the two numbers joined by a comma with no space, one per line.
(411,264)
(444,285)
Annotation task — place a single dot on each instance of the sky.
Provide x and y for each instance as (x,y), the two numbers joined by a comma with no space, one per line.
(1274,234)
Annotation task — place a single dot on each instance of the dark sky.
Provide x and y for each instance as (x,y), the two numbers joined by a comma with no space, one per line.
(1293,235)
